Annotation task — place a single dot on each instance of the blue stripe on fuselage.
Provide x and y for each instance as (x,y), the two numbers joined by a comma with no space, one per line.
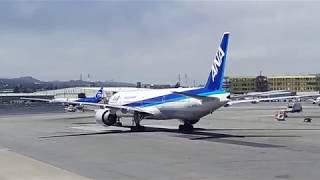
(172,97)
(89,100)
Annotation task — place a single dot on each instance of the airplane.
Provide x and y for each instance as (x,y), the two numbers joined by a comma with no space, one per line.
(188,105)
(72,102)
(315,101)
(273,93)
(256,96)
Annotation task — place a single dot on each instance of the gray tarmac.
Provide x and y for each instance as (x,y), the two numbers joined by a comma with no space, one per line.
(238,142)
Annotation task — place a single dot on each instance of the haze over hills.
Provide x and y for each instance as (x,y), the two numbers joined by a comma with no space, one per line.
(30,84)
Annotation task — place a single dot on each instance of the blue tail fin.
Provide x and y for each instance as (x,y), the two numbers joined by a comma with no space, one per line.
(99,94)
(215,79)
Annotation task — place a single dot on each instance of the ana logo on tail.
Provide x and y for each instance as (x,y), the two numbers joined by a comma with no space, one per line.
(99,94)
(217,63)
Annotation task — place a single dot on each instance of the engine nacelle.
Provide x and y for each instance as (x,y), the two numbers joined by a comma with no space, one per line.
(105,118)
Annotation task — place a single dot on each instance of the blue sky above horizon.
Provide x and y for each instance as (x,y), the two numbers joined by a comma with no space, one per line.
(154,41)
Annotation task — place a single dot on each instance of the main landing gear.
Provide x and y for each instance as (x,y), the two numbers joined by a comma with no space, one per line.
(187,126)
(137,117)
(118,122)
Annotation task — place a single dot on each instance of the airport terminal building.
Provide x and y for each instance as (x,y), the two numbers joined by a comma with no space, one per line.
(304,83)
(300,83)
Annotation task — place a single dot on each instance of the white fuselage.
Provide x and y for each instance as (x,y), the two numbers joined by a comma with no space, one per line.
(163,106)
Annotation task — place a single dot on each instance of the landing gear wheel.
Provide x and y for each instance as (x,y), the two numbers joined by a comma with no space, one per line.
(136,119)
(138,128)
(193,121)
(118,124)
(186,127)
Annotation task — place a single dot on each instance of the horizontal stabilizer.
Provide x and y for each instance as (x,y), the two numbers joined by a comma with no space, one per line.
(198,96)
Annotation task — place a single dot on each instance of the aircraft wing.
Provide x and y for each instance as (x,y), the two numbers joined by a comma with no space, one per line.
(49,100)
(116,107)
(37,99)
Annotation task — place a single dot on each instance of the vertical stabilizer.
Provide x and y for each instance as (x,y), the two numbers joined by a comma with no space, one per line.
(99,94)
(215,79)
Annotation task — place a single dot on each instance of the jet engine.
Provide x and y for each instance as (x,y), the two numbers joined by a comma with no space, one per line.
(105,118)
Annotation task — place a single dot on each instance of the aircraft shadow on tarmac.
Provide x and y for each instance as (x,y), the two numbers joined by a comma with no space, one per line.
(200,134)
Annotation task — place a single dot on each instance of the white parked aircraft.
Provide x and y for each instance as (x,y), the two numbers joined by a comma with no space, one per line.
(316,101)
(188,105)
(72,104)
(95,99)
(274,93)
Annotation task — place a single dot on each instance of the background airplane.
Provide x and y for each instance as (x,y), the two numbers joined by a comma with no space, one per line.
(262,94)
(315,101)
(72,103)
